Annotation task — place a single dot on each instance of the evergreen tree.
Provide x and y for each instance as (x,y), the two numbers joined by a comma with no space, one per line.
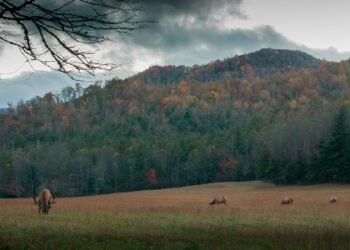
(263,164)
(336,148)
(331,164)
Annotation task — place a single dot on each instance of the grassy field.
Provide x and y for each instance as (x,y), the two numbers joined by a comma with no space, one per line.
(181,218)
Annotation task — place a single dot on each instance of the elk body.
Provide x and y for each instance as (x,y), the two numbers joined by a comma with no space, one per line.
(287,200)
(333,199)
(218,201)
(45,200)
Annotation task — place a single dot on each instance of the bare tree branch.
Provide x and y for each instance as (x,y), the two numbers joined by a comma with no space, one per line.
(60,34)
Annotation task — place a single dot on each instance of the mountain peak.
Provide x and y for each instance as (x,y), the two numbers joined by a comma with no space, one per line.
(262,63)
(284,53)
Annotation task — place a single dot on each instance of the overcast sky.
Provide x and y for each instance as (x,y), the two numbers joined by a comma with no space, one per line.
(196,32)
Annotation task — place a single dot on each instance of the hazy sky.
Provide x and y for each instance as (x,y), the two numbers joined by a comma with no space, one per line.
(199,31)
(316,24)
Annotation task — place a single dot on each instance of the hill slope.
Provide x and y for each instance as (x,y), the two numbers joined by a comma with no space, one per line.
(265,62)
(130,135)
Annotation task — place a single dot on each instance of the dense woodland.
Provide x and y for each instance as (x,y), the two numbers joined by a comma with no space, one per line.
(274,115)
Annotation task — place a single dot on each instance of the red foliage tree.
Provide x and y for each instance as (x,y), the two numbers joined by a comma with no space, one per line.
(152,176)
(227,168)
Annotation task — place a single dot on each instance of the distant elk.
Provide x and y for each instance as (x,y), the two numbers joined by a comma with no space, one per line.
(45,200)
(333,199)
(287,200)
(217,201)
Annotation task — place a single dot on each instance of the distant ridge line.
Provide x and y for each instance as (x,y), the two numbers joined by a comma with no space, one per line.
(262,63)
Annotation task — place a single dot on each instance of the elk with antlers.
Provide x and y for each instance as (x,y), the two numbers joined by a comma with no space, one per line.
(45,200)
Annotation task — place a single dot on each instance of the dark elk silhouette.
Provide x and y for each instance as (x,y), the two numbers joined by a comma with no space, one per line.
(287,200)
(45,200)
(218,201)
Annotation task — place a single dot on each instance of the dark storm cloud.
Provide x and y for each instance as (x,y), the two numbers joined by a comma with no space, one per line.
(188,45)
(200,44)
(190,32)
(201,9)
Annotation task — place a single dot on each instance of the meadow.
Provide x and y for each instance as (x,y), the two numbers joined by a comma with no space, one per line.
(180,218)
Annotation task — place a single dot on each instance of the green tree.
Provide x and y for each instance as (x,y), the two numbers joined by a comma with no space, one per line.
(331,162)
(336,148)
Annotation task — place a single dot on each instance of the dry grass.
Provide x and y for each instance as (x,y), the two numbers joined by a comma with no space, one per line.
(183,218)
(243,197)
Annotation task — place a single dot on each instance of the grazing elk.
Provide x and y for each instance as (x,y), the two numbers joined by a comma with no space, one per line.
(287,200)
(218,201)
(333,199)
(45,200)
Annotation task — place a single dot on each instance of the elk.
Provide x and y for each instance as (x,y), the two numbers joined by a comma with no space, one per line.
(287,200)
(45,200)
(218,201)
(333,199)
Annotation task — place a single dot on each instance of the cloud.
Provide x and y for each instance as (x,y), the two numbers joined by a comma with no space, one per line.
(331,54)
(177,44)
(191,32)
(2,47)
(27,85)
(201,10)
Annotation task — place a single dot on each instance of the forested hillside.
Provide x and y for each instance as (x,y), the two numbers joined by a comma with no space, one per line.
(283,122)
(264,62)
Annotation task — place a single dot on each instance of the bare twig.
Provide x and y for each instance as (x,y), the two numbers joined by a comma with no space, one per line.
(60,33)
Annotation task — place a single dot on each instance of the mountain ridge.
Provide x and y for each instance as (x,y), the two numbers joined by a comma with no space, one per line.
(261,63)
(130,135)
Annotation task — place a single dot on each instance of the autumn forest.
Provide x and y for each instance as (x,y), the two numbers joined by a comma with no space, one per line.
(273,115)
